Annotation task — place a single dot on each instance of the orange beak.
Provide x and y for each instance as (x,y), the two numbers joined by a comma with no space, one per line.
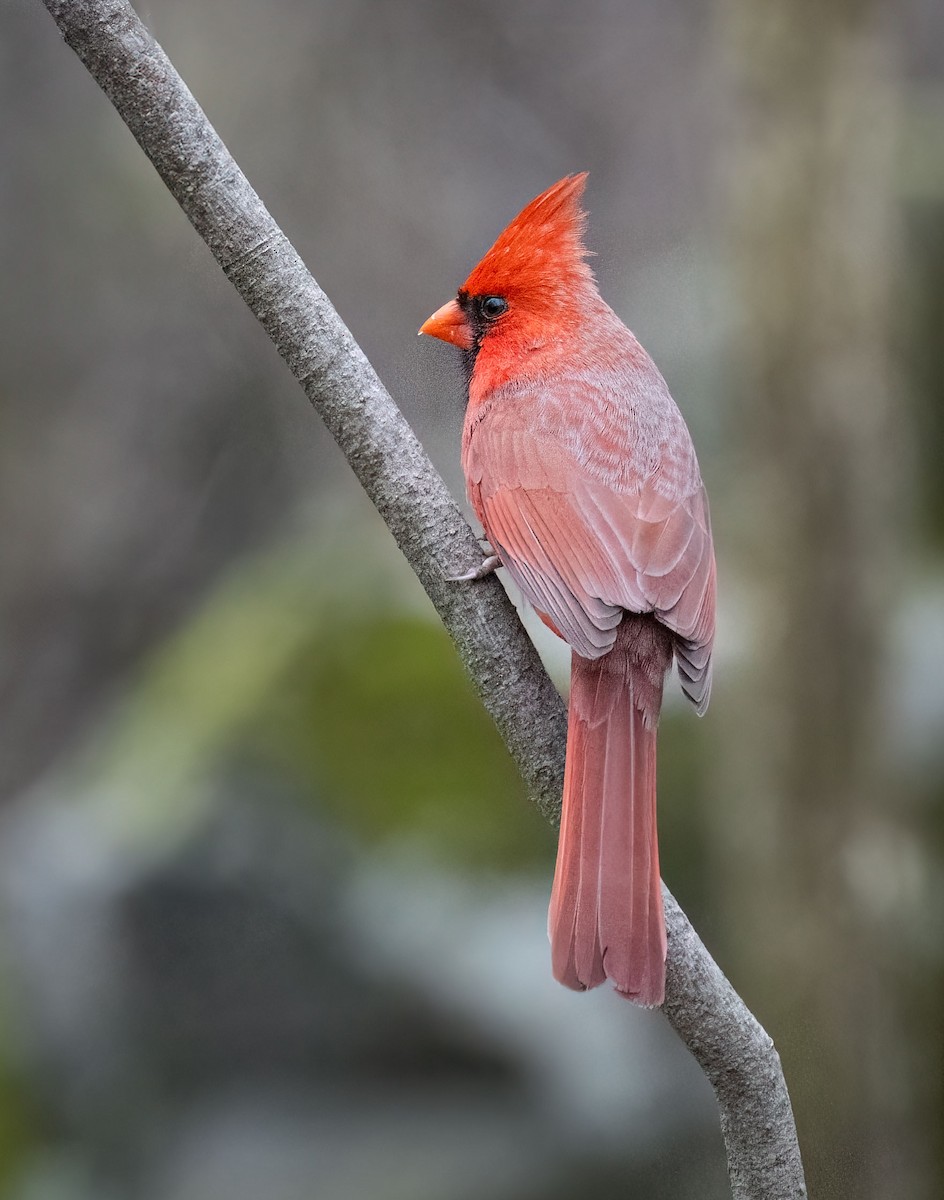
(449,324)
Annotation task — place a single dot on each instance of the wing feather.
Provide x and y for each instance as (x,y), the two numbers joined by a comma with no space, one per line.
(583,549)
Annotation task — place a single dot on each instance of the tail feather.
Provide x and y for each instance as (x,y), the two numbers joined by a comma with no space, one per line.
(605,919)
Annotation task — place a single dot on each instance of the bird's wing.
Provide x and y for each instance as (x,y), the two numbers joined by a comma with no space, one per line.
(583,549)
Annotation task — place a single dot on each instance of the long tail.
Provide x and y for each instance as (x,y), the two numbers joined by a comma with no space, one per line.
(605,919)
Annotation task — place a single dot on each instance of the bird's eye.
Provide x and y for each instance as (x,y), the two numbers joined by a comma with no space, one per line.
(493,306)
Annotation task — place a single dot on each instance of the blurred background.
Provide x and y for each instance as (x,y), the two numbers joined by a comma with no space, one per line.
(272,901)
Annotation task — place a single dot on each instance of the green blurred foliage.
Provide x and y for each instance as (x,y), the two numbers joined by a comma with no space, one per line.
(20,1126)
(360,707)
(379,722)
(685,745)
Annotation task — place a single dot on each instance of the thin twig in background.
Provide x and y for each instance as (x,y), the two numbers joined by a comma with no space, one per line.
(735,1053)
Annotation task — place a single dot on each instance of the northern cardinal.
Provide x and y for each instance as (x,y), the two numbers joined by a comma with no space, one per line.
(583,474)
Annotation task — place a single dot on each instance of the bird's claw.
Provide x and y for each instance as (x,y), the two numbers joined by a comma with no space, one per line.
(486,567)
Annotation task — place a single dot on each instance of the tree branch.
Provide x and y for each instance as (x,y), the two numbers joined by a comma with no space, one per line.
(733,1050)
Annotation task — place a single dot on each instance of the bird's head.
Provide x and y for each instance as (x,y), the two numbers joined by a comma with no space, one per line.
(535,278)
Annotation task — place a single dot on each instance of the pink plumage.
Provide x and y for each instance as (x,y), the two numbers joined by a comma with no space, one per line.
(583,474)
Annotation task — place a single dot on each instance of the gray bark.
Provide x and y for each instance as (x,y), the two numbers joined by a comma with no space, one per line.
(734,1051)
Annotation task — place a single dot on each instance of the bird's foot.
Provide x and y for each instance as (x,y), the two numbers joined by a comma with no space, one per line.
(486,567)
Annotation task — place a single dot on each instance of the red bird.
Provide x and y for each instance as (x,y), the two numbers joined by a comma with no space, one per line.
(583,474)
